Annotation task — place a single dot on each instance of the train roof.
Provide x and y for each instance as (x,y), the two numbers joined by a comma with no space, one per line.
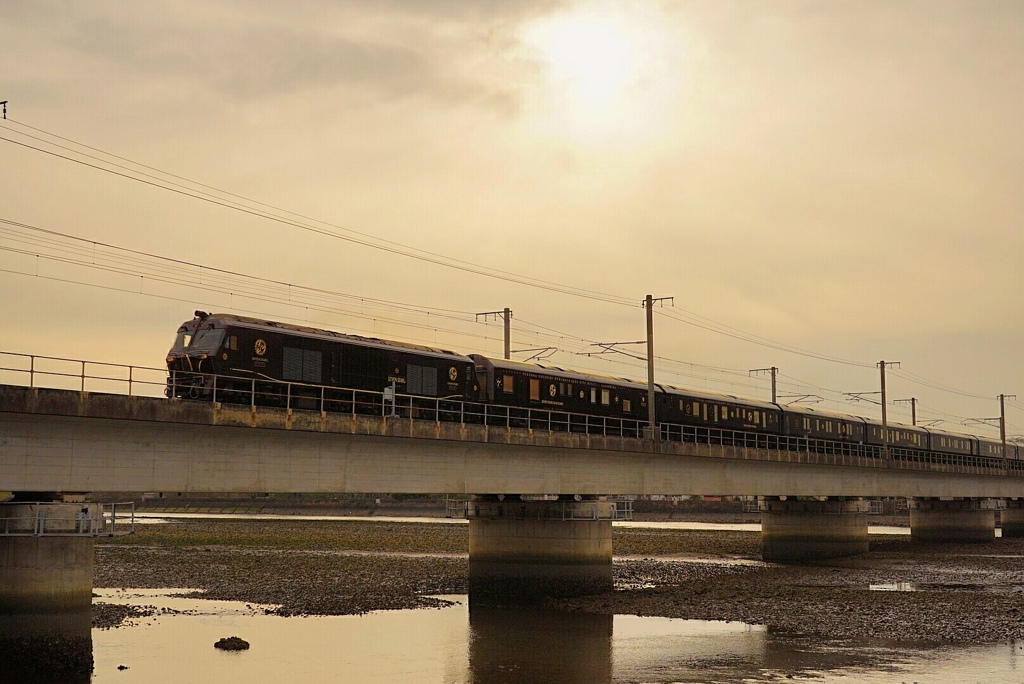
(714,396)
(330,335)
(567,373)
(823,412)
(899,426)
(948,433)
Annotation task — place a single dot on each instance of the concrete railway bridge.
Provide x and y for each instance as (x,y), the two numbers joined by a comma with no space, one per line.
(541,501)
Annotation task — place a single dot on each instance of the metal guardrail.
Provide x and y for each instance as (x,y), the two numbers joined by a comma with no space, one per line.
(50,519)
(302,396)
(260,392)
(81,375)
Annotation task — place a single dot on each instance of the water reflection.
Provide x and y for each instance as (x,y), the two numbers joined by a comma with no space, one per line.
(485,645)
(536,645)
(45,658)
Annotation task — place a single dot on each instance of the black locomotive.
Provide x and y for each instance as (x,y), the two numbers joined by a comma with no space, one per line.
(236,359)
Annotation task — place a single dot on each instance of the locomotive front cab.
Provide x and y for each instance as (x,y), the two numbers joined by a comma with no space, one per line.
(191,360)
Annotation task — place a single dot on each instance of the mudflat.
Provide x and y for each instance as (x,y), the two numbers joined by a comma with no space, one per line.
(901,590)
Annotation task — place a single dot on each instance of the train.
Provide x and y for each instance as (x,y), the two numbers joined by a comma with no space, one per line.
(237,359)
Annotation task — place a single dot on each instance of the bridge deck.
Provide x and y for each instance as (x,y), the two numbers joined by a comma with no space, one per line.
(60,440)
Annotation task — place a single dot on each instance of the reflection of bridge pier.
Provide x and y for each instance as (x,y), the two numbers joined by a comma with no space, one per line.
(527,644)
(521,550)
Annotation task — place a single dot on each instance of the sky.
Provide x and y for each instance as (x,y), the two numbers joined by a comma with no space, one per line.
(818,186)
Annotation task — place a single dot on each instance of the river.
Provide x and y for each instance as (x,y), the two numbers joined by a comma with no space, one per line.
(456,645)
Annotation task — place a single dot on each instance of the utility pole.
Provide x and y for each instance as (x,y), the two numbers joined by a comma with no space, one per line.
(506,315)
(913,407)
(885,424)
(1002,418)
(773,370)
(649,305)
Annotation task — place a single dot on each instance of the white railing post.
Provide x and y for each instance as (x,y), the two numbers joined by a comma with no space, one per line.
(83,376)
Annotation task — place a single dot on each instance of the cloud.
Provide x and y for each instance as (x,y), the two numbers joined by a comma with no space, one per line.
(259,51)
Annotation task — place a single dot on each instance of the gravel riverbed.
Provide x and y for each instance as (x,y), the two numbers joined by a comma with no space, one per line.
(922,592)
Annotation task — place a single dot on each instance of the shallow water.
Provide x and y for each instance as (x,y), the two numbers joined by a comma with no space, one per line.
(145,518)
(458,645)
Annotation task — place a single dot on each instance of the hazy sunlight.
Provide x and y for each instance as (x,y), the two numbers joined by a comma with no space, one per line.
(605,70)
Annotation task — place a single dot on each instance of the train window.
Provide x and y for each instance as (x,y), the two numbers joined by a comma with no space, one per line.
(593,395)
(568,389)
(507,384)
(627,405)
(561,389)
(807,423)
(606,397)
(534,389)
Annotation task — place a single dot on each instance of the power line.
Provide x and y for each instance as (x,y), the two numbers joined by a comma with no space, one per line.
(222,198)
(353,236)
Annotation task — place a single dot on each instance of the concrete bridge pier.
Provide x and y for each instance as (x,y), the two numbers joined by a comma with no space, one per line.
(46,563)
(524,550)
(1012,518)
(800,531)
(956,520)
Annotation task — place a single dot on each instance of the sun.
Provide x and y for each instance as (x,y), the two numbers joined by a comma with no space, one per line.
(589,55)
(602,70)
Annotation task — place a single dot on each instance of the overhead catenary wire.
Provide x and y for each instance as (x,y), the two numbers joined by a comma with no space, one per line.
(211,194)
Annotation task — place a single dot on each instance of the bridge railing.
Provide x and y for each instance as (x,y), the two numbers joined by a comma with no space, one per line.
(55,372)
(297,395)
(62,373)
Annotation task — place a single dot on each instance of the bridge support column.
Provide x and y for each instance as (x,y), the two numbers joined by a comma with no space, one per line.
(521,551)
(46,562)
(960,520)
(1012,518)
(806,531)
